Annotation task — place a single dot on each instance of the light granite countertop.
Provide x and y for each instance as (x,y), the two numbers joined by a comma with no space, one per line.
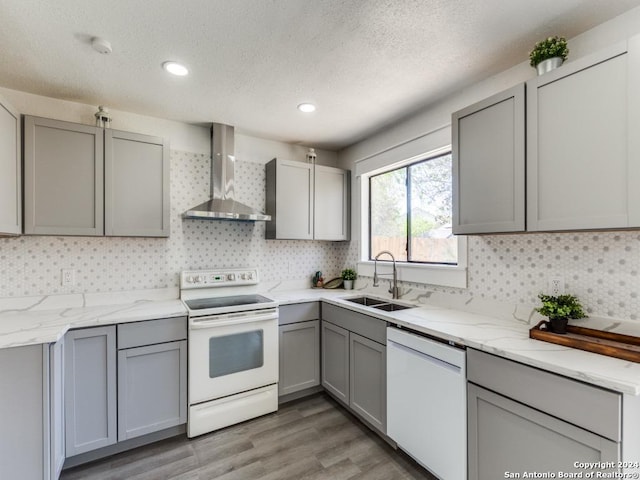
(37,320)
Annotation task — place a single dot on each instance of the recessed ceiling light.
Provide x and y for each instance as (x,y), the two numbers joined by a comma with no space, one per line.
(307,107)
(175,68)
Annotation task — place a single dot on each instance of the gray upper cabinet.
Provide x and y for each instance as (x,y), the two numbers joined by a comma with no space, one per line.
(10,170)
(331,203)
(136,185)
(583,148)
(64,184)
(307,202)
(90,389)
(489,165)
(85,180)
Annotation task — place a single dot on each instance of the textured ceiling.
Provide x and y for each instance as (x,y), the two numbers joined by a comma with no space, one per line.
(365,63)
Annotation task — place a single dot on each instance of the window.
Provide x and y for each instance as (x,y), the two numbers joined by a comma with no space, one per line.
(410,212)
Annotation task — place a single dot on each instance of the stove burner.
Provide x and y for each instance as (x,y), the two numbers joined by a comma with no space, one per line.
(229,301)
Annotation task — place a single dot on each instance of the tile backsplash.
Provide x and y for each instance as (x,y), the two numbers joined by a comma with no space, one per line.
(30,265)
(602,268)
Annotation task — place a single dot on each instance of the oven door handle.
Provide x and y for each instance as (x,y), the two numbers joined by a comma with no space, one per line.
(232,319)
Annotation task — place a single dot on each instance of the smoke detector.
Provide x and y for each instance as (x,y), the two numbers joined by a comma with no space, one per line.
(101,45)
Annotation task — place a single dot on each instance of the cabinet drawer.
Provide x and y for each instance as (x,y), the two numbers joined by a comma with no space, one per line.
(365,325)
(149,332)
(589,407)
(299,312)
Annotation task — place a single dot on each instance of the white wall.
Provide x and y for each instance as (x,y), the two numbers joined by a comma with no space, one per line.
(601,268)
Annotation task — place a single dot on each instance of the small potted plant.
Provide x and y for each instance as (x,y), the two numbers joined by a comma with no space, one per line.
(560,309)
(548,54)
(348,276)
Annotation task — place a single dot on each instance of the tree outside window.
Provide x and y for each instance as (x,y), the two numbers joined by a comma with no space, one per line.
(410,212)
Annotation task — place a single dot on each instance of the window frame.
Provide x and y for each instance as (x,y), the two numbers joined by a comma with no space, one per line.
(444,275)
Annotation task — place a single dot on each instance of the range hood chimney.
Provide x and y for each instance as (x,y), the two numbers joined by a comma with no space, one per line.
(222,205)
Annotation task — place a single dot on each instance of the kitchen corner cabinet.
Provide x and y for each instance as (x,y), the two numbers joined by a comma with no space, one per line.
(582,143)
(90,389)
(31,412)
(85,180)
(152,376)
(10,170)
(354,367)
(299,347)
(307,201)
(489,164)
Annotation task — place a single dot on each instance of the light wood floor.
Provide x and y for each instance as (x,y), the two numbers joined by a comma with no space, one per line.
(311,439)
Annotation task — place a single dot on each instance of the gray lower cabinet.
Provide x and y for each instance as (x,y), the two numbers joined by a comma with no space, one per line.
(152,378)
(10,170)
(521,419)
(354,362)
(368,380)
(507,436)
(299,356)
(299,347)
(335,361)
(30,412)
(90,389)
(85,180)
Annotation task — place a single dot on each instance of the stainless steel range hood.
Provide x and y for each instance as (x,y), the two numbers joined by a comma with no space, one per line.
(222,205)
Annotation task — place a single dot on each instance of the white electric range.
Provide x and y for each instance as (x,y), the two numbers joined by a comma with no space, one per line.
(233,348)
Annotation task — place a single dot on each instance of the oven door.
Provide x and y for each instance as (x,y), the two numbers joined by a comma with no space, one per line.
(232,353)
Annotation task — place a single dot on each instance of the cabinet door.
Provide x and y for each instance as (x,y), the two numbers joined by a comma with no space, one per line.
(63,178)
(335,361)
(136,185)
(56,389)
(90,389)
(299,356)
(331,204)
(506,436)
(489,165)
(290,200)
(368,380)
(582,147)
(10,171)
(152,388)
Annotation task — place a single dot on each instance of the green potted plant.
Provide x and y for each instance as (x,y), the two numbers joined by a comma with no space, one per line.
(548,54)
(560,309)
(348,276)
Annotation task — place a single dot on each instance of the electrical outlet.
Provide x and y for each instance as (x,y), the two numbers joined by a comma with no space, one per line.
(68,277)
(556,286)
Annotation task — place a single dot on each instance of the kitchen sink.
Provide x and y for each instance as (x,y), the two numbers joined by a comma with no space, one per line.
(392,307)
(366,301)
(379,304)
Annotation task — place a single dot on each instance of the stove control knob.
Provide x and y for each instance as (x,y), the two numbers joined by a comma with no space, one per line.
(231,277)
(250,275)
(190,279)
(243,276)
(197,279)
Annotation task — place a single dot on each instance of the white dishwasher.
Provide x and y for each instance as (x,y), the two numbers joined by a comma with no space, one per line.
(427,402)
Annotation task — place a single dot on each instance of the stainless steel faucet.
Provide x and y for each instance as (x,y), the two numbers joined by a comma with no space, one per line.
(393,285)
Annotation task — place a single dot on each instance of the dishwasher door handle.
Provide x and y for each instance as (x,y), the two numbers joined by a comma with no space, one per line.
(424,356)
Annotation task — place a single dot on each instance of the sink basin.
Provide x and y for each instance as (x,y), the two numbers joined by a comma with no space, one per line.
(392,307)
(366,301)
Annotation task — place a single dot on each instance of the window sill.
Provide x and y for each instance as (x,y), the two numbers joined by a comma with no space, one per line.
(441,275)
